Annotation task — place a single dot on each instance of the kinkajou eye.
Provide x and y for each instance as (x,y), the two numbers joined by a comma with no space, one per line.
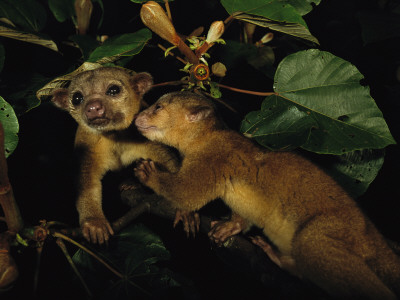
(77,98)
(113,90)
(158,107)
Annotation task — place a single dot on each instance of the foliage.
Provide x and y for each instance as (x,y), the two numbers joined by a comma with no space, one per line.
(10,124)
(315,100)
(272,14)
(124,45)
(318,93)
(136,251)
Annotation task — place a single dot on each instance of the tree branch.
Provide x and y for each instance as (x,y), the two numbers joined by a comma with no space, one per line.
(12,217)
(237,252)
(7,201)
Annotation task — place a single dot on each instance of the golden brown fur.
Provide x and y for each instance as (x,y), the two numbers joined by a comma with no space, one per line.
(104,102)
(310,219)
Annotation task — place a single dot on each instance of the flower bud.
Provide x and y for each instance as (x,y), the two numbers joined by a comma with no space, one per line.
(154,17)
(83,10)
(218,69)
(267,38)
(216,30)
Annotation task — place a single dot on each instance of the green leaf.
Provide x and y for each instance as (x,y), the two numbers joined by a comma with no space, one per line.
(273,10)
(272,14)
(303,7)
(2,56)
(128,44)
(27,14)
(356,170)
(287,126)
(327,89)
(62,9)
(27,37)
(11,126)
(214,90)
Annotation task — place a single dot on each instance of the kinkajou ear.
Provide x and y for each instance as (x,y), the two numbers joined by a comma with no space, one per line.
(141,83)
(60,98)
(199,113)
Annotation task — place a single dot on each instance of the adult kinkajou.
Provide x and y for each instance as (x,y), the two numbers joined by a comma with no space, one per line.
(319,232)
(104,102)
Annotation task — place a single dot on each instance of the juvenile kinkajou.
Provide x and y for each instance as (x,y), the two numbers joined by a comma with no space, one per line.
(104,102)
(316,227)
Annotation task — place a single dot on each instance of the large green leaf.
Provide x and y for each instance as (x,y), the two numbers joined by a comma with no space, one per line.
(11,127)
(288,127)
(128,44)
(336,112)
(272,14)
(27,37)
(356,170)
(303,6)
(27,14)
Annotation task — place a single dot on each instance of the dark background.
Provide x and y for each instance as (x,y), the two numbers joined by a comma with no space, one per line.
(40,168)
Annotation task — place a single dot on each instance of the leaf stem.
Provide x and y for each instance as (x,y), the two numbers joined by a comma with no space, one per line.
(246,91)
(168,9)
(64,237)
(176,82)
(228,19)
(63,248)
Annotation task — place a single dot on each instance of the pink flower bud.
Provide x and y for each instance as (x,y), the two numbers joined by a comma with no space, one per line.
(154,17)
(216,30)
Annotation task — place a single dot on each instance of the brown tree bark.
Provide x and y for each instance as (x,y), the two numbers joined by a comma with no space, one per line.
(12,217)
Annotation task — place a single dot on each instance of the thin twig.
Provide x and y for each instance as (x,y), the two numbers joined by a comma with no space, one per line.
(132,214)
(168,9)
(64,237)
(39,251)
(246,91)
(172,54)
(228,19)
(63,248)
(176,82)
